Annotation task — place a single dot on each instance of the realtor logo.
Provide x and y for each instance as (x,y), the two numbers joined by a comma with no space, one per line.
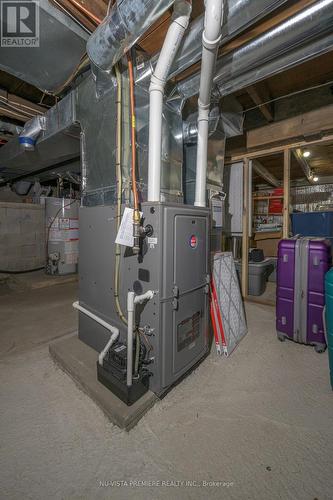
(19,23)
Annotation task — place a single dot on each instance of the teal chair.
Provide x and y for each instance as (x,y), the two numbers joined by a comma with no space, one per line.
(329,318)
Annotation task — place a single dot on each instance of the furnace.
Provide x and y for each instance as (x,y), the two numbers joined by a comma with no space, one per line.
(173,263)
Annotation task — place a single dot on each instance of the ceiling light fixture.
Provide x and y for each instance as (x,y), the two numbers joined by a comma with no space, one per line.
(306,154)
(315,178)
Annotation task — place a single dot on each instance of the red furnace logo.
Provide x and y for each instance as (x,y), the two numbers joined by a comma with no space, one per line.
(193,241)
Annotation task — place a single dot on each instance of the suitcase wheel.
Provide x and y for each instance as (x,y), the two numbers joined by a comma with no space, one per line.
(281,337)
(319,348)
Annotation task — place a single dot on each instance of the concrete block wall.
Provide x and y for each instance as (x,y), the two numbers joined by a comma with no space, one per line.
(22,236)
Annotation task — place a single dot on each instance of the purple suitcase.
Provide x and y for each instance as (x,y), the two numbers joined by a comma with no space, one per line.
(300,296)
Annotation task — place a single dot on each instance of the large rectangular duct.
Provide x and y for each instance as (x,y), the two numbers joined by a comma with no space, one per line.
(61,46)
(59,142)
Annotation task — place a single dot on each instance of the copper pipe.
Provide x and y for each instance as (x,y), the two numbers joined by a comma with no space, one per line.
(133,141)
(92,16)
(69,14)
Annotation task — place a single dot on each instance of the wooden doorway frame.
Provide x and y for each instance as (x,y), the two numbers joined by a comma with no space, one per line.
(286,150)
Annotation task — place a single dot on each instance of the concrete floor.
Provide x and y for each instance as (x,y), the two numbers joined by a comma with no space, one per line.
(32,281)
(260,421)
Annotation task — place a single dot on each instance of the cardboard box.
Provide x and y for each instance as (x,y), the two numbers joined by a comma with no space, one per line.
(268,242)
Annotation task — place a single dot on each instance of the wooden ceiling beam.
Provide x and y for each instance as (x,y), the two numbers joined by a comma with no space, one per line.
(265,174)
(26,105)
(260,95)
(12,106)
(305,126)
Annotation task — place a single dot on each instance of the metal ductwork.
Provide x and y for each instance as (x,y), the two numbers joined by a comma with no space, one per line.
(8,130)
(122,28)
(238,16)
(190,126)
(30,133)
(57,145)
(300,38)
(47,66)
(229,122)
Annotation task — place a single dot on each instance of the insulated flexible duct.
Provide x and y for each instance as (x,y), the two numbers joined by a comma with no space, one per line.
(300,38)
(120,30)
(238,16)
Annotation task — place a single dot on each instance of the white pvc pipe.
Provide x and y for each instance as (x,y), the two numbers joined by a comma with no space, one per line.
(132,300)
(180,19)
(140,299)
(130,328)
(114,331)
(210,42)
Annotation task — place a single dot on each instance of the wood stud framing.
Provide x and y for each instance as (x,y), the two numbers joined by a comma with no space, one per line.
(286,191)
(245,228)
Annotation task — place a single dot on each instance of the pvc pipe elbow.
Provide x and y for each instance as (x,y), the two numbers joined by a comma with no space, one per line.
(213,21)
(181,12)
(139,299)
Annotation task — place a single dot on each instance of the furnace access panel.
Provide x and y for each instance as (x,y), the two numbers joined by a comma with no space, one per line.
(173,261)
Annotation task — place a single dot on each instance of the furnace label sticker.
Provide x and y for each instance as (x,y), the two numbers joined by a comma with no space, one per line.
(152,242)
(125,233)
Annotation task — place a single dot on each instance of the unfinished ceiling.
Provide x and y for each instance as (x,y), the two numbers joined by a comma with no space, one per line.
(320,161)
(285,94)
(268,101)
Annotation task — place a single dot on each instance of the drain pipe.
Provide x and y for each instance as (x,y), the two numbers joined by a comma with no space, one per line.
(211,38)
(132,300)
(180,20)
(112,329)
